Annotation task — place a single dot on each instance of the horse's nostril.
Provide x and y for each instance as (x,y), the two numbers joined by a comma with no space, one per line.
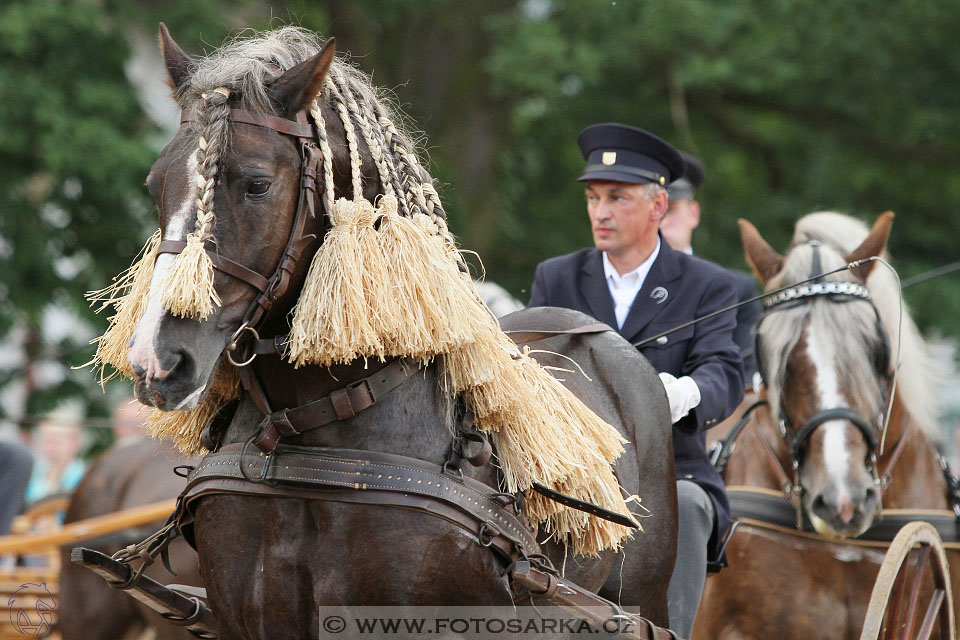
(139,371)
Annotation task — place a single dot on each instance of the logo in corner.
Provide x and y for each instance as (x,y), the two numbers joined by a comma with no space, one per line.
(659,295)
(32,608)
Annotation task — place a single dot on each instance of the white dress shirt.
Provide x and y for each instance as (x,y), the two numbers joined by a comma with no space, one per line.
(624,288)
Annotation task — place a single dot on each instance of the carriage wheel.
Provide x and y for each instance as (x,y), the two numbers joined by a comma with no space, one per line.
(896,602)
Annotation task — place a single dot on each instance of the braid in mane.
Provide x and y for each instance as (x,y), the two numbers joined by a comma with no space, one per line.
(356,165)
(189,291)
(326,154)
(376,152)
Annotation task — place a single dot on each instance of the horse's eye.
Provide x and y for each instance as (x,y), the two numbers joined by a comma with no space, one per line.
(258,188)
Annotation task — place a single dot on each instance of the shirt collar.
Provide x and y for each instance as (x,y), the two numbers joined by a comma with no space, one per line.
(610,272)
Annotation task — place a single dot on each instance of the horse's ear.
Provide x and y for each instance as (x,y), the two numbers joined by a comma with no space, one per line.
(176,59)
(764,261)
(299,86)
(873,245)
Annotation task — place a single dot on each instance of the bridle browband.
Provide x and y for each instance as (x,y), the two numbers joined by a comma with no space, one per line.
(273,287)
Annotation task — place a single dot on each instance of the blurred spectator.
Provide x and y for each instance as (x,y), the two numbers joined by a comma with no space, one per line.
(58,467)
(16,461)
(127,422)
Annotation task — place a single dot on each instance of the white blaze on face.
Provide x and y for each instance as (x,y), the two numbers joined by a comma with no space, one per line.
(142,352)
(835,455)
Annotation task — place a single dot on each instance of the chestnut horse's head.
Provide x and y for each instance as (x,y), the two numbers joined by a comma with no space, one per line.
(272,130)
(825,357)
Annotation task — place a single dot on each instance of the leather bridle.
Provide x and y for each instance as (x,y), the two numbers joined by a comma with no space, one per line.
(272,288)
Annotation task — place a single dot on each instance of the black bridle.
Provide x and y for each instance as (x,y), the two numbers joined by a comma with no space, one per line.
(796,439)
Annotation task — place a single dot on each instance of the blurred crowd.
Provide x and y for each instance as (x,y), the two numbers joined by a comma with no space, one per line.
(47,461)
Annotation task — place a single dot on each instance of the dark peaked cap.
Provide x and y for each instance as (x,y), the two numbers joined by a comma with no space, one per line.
(623,153)
(693,175)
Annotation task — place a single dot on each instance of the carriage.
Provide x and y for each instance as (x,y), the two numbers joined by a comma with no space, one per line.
(362,383)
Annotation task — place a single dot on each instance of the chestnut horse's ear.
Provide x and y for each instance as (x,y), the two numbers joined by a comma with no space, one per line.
(873,245)
(299,86)
(764,261)
(177,61)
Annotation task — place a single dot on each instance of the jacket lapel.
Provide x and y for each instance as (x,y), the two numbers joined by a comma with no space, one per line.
(592,285)
(656,293)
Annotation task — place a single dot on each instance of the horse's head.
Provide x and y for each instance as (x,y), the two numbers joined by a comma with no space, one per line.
(825,358)
(238,155)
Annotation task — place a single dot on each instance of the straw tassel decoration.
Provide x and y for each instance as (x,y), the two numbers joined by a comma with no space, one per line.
(186,427)
(383,285)
(128,296)
(189,292)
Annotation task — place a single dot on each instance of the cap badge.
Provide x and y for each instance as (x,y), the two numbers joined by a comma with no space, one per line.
(609,157)
(659,295)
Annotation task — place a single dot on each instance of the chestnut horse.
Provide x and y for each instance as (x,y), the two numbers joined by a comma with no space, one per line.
(269,563)
(827,353)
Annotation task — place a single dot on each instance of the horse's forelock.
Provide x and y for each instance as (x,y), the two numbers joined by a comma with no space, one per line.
(247,63)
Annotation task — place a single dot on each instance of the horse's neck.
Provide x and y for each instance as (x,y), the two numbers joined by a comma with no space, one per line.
(415,419)
(916,480)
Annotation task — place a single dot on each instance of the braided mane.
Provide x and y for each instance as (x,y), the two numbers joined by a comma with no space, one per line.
(246,65)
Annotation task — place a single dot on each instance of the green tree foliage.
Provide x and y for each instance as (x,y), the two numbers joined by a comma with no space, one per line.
(73,155)
(793,105)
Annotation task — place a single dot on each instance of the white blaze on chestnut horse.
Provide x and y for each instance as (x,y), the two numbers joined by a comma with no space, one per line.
(827,352)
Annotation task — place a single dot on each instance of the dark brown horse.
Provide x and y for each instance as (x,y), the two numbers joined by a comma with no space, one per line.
(270,563)
(124,476)
(827,354)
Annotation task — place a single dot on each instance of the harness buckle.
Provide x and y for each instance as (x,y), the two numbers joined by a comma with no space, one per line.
(366,387)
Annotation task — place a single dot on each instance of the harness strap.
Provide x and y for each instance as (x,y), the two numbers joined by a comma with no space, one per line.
(766,506)
(895,454)
(722,449)
(265,120)
(837,413)
(341,404)
(221,263)
(367,477)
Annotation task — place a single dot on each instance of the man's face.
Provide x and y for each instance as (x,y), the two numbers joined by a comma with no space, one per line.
(681,219)
(621,215)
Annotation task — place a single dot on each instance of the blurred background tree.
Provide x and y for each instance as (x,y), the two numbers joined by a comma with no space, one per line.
(793,106)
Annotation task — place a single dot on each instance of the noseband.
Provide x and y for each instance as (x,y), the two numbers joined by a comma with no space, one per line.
(270,288)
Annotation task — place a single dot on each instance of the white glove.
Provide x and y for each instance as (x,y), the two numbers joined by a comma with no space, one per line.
(683,394)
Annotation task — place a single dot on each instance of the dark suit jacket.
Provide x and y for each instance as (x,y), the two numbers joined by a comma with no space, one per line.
(705,351)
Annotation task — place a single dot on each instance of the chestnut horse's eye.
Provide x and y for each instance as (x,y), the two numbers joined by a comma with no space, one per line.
(258,188)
